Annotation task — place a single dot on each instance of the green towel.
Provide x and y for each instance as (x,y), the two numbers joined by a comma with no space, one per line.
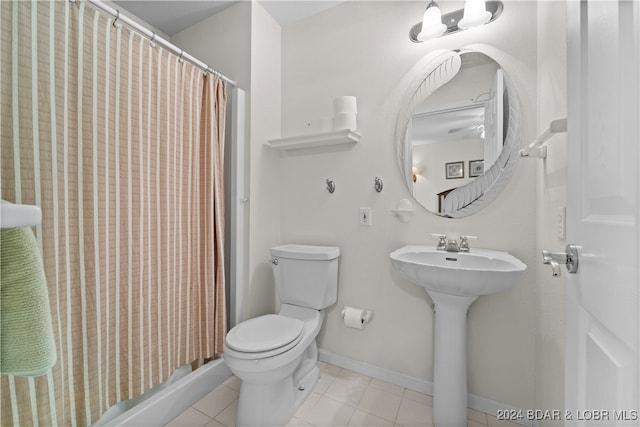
(27,346)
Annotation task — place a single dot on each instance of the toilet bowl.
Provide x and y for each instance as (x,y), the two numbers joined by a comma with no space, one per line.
(275,380)
(275,355)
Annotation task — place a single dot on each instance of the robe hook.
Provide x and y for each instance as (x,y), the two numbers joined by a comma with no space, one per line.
(331,186)
(378,184)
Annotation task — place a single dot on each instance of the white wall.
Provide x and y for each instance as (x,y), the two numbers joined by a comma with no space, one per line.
(222,41)
(265,185)
(135,18)
(361,48)
(551,191)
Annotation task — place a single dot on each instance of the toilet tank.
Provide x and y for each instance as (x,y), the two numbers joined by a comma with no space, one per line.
(306,275)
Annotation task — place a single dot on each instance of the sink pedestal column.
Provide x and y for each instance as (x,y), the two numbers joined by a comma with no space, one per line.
(450,359)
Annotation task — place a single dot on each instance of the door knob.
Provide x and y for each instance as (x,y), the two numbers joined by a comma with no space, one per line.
(569,258)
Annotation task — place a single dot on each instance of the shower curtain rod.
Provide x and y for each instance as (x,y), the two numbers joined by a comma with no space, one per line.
(153,37)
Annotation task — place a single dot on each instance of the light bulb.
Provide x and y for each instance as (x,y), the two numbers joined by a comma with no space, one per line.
(432,25)
(475,14)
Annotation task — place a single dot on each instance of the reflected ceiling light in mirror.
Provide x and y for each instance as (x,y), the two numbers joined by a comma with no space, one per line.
(475,13)
(432,25)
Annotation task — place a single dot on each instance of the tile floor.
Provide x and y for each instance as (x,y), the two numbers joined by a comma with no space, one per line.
(340,398)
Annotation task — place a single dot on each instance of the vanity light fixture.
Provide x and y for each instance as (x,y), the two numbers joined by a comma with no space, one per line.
(475,13)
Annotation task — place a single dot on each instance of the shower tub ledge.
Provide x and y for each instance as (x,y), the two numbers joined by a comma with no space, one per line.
(171,401)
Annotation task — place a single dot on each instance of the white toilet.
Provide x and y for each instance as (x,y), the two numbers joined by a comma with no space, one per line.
(275,355)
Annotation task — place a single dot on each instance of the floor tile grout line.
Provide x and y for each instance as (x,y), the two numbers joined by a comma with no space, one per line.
(199,411)
(395,417)
(225,408)
(349,377)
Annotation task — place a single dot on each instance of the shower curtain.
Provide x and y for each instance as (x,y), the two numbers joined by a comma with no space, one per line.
(121,145)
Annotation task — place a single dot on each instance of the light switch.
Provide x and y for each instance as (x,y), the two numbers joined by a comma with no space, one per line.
(365,216)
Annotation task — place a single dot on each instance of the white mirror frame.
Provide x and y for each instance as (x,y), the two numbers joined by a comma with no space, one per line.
(472,197)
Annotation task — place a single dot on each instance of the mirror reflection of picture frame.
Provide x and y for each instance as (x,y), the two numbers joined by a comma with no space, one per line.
(476,168)
(454,170)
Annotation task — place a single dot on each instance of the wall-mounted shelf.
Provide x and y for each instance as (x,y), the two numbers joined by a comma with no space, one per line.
(404,210)
(345,136)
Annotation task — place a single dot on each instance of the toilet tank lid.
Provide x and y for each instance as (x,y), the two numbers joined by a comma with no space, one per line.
(311,252)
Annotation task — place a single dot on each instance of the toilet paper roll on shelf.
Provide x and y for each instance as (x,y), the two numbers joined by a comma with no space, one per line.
(345,104)
(345,111)
(345,121)
(355,317)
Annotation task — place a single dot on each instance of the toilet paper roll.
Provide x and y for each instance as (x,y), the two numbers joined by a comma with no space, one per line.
(345,104)
(345,121)
(353,317)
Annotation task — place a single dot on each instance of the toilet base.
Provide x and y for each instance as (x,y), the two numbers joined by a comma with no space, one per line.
(265,404)
(305,386)
(273,404)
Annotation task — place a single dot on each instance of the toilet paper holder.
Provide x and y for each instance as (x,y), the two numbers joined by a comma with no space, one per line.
(365,318)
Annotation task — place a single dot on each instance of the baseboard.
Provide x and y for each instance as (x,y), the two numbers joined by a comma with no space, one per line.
(383,374)
(478,403)
(170,402)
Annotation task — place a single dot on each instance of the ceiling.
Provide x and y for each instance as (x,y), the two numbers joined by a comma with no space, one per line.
(171,17)
(451,125)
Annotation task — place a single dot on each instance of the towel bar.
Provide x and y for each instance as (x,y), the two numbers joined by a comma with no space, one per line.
(14,215)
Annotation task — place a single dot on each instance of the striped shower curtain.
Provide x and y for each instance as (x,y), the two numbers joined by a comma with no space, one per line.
(121,145)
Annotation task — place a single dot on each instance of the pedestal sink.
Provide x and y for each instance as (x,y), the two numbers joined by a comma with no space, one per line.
(454,280)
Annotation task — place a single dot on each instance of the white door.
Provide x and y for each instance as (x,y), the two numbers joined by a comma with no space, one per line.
(603,191)
(493,120)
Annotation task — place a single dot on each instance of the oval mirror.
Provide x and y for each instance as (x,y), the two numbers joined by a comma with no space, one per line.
(459,134)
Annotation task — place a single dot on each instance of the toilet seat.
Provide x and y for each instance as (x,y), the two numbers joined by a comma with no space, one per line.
(264,336)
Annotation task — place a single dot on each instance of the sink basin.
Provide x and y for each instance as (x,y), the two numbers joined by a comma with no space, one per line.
(475,273)
(454,280)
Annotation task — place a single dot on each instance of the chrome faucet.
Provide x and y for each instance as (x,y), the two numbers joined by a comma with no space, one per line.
(442,241)
(464,243)
(452,245)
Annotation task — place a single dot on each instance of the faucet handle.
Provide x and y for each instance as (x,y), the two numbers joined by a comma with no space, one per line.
(464,242)
(442,241)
